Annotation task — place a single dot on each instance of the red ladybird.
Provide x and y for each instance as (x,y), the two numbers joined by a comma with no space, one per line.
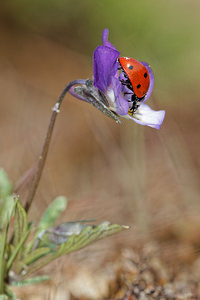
(137,79)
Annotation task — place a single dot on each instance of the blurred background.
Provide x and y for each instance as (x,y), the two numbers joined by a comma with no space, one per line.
(128,174)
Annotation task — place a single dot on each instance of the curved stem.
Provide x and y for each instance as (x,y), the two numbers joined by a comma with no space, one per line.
(45,148)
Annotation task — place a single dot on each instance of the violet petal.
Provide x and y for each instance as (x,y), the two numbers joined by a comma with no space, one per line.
(105,40)
(105,66)
(121,104)
(151,81)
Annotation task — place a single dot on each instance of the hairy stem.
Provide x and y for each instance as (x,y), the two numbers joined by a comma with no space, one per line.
(45,148)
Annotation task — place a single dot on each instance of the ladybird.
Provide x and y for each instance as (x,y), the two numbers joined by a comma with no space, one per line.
(137,79)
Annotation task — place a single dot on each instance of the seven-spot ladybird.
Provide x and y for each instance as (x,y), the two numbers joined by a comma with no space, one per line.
(136,79)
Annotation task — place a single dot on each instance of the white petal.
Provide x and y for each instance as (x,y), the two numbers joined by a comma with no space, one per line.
(147,116)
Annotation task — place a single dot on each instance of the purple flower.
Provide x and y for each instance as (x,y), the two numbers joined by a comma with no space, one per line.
(108,79)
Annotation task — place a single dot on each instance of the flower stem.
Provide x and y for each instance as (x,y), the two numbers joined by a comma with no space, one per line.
(45,148)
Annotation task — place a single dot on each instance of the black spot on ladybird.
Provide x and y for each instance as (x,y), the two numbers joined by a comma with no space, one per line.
(130,67)
(138,86)
(145,75)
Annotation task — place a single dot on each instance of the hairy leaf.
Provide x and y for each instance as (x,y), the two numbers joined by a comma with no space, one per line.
(47,220)
(2,259)
(29,281)
(21,223)
(17,249)
(6,208)
(10,293)
(3,297)
(75,242)
(35,255)
(3,250)
(52,213)
(89,235)
(5,185)
(62,232)
(6,200)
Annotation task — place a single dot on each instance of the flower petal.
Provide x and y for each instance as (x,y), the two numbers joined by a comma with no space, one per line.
(105,66)
(147,116)
(105,41)
(151,81)
(121,104)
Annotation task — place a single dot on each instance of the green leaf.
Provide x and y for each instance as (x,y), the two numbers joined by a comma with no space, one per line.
(10,293)
(21,233)
(35,255)
(6,209)
(88,236)
(2,259)
(62,232)
(52,213)
(17,249)
(3,250)
(21,223)
(3,297)
(29,281)
(5,185)
(75,242)
(6,200)
(47,220)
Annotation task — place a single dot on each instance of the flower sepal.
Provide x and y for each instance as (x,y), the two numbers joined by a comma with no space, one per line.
(89,93)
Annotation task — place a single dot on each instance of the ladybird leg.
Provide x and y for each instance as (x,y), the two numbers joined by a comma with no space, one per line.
(123,73)
(135,105)
(140,99)
(124,82)
(127,84)
(126,93)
